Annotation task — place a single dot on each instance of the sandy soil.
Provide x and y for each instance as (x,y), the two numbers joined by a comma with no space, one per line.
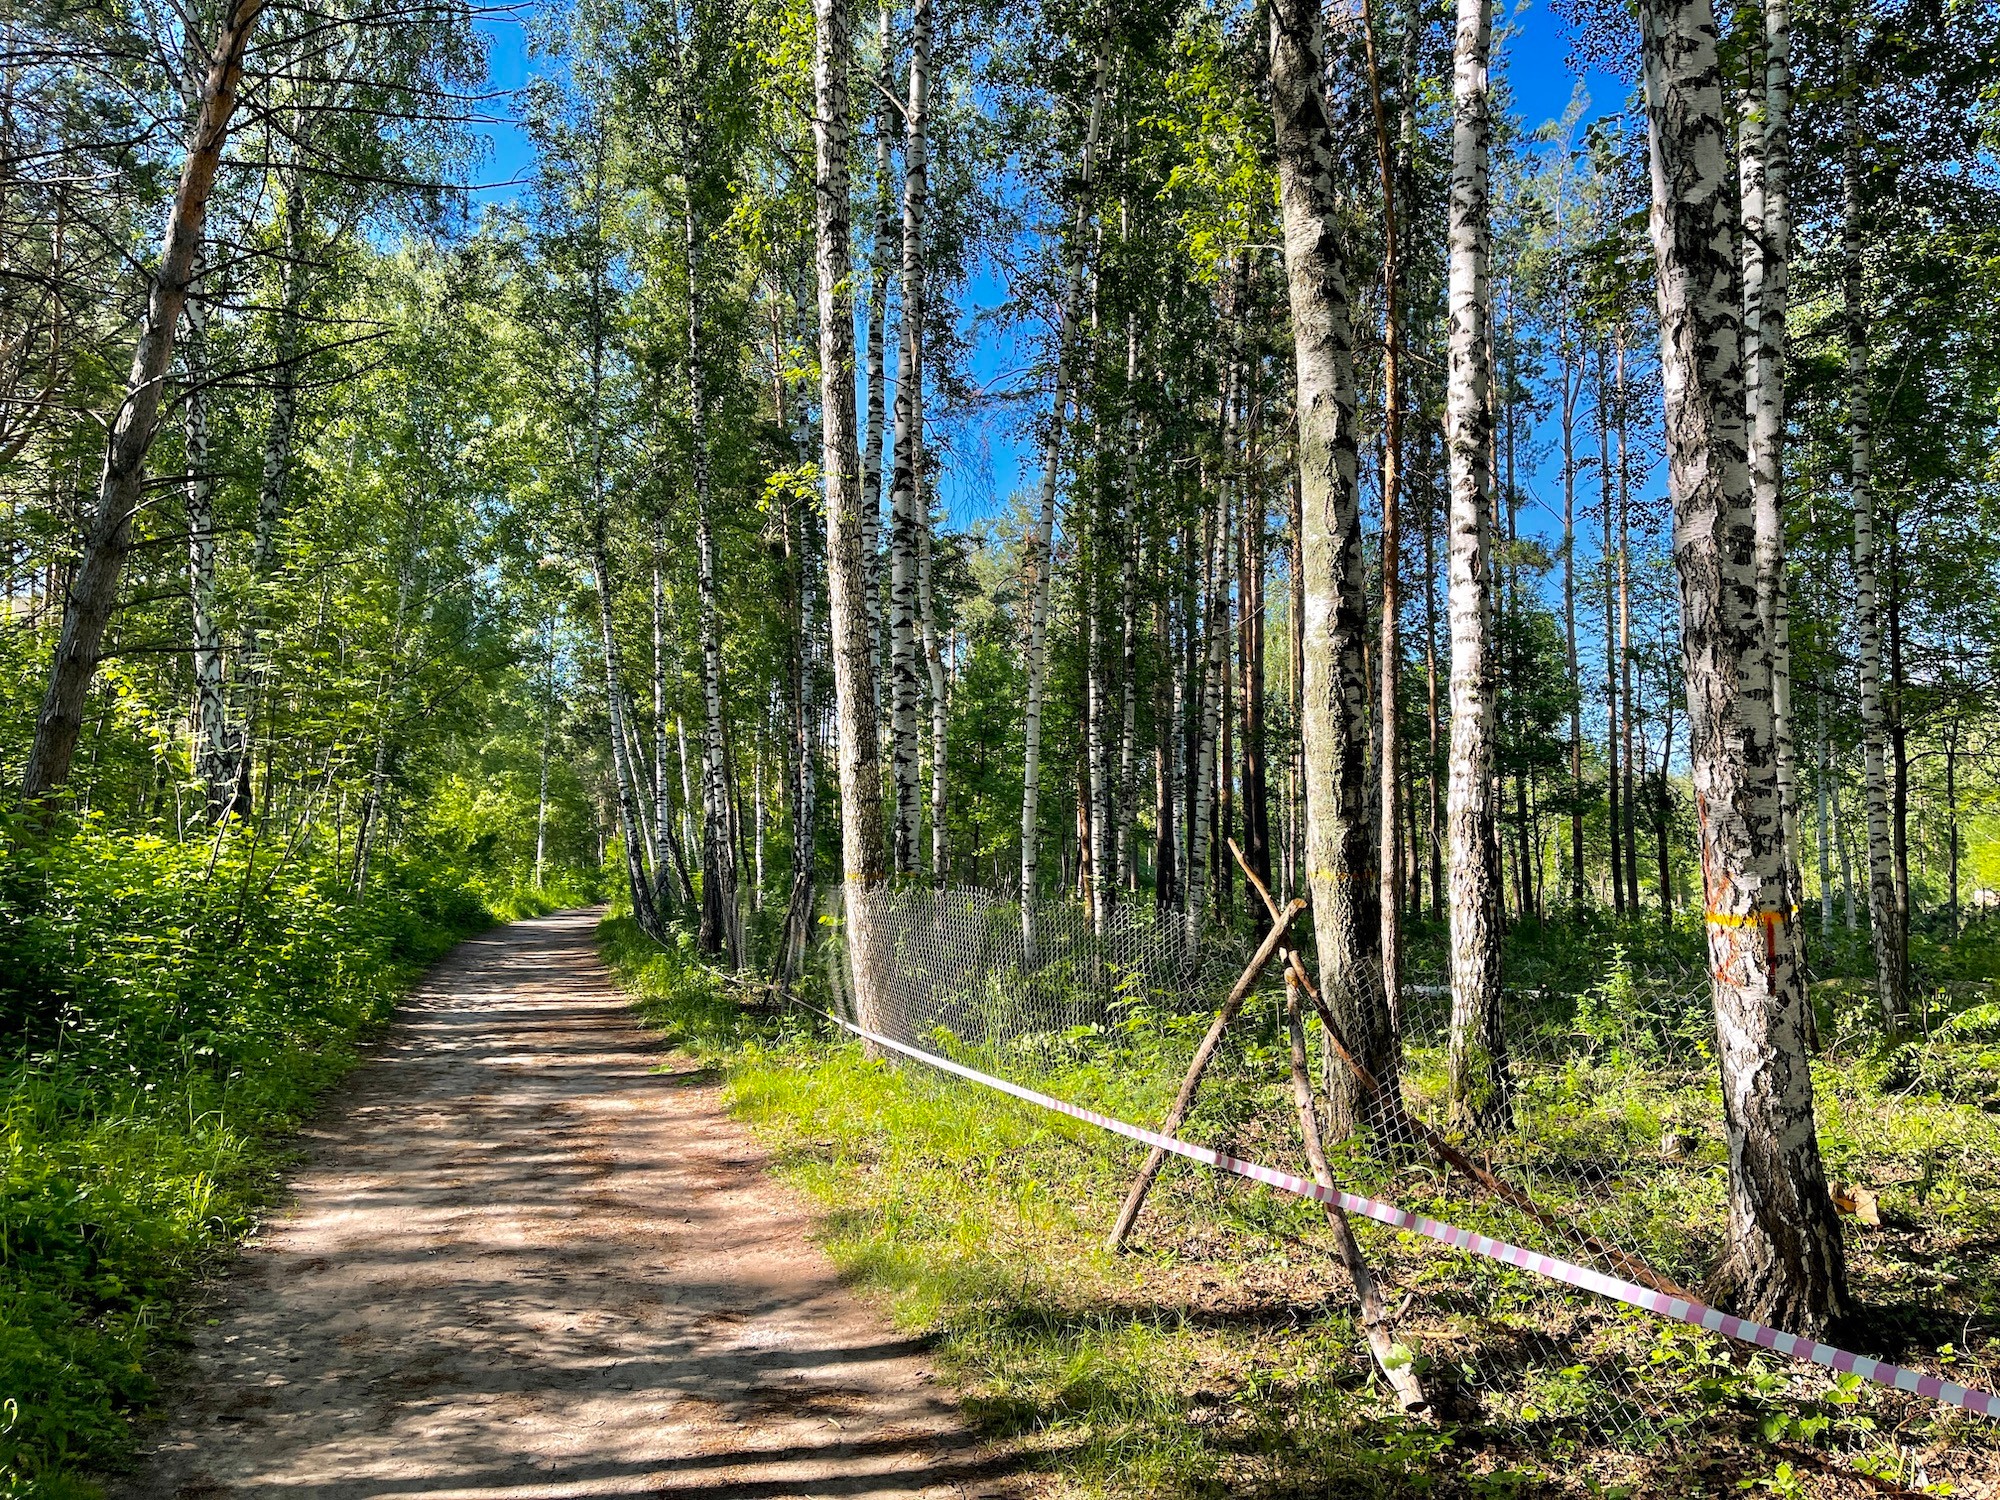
(522,1263)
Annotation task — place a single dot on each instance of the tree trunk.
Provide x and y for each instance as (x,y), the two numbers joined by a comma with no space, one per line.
(1478,1053)
(1340,843)
(840,462)
(940,703)
(906,520)
(1883,928)
(877,334)
(1785,1262)
(1764,170)
(107,533)
(1572,389)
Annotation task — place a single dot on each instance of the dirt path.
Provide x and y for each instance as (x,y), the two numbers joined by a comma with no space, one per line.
(522,1264)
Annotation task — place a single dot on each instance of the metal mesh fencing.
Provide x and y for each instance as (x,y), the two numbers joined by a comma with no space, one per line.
(1612,1156)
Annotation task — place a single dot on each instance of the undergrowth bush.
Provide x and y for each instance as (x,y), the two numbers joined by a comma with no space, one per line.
(169,1011)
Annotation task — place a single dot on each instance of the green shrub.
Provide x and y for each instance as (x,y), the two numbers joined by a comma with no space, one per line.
(170,1012)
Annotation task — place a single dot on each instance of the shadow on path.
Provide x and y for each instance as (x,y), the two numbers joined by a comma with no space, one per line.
(521,1263)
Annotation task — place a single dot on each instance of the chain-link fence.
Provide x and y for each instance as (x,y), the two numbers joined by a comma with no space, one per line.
(1612,1158)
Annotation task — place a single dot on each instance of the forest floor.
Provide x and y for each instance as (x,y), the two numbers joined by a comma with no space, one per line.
(530,1254)
(1218,1354)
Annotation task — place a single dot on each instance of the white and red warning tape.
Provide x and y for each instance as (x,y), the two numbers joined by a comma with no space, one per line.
(1695,1314)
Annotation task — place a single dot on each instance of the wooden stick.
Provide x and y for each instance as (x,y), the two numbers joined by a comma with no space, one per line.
(1204,1054)
(1393,1358)
(1628,1265)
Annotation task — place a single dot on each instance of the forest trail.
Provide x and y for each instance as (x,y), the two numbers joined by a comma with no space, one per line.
(519,1262)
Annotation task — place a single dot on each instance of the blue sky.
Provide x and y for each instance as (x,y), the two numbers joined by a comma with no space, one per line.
(986,461)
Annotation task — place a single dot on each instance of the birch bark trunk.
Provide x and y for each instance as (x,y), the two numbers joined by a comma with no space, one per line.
(907,519)
(1884,929)
(877,336)
(1785,1261)
(1764,173)
(107,533)
(1340,843)
(940,706)
(840,461)
(1478,1053)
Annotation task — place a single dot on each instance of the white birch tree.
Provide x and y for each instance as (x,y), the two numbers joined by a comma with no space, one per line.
(1785,1261)
(1478,1077)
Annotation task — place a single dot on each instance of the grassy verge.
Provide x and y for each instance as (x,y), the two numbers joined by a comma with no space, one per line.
(173,1018)
(1221,1357)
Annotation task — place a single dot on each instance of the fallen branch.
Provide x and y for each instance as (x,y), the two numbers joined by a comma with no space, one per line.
(1627,1264)
(1393,1358)
(1204,1054)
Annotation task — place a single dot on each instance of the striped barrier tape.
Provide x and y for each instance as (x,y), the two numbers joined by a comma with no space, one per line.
(1694,1314)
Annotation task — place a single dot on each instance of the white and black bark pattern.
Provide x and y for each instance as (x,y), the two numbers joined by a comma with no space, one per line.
(874,420)
(1785,1264)
(1884,927)
(907,519)
(1340,843)
(840,462)
(107,533)
(940,702)
(212,763)
(1478,1067)
(1764,172)
(1041,551)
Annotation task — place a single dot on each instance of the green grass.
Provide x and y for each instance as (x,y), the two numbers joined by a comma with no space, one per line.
(173,1020)
(1221,1358)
